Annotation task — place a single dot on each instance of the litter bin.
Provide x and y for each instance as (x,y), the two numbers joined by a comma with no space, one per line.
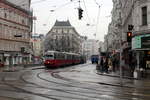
(139,73)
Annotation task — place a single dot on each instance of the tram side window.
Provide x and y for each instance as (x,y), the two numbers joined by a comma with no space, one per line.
(69,57)
(73,57)
(59,56)
(65,56)
(55,56)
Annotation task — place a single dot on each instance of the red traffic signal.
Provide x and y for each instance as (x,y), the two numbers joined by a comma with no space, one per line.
(129,36)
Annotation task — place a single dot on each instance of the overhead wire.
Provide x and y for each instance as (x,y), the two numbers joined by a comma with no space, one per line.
(35,2)
(86,10)
(97,16)
(63,5)
(97,20)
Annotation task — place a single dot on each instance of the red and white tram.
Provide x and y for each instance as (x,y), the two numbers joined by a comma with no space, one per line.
(58,59)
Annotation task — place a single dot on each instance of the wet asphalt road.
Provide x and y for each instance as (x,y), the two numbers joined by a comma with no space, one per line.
(78,82)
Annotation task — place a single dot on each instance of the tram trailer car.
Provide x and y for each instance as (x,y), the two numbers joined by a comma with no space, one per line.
(54,59)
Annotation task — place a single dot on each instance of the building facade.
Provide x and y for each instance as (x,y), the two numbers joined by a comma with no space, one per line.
(137,14)
(141,32)
(38,50)
(128,13)
(91,47)
(15,33)
(24,4)
(63,37)
(111,40)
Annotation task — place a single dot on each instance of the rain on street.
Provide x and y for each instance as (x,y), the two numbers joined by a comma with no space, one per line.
(79,82)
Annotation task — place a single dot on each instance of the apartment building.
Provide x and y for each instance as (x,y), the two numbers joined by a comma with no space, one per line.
(38,47)
(63,37)
(15,33)
(91,47)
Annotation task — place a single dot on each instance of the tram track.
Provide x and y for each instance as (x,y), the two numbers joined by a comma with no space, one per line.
(9,98)
(87,93)
(129,93)
(94,91)
(18,89)
(68,85)
(60,90)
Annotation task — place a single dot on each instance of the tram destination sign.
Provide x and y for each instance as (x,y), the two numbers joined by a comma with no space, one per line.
(145,42)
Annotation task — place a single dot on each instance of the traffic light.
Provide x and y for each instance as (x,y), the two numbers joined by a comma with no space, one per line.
(80,11)
(129,36)
(130,27)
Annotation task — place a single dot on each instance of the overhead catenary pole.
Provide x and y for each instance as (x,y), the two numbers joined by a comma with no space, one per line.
(121,80)
(97,18)
(121,49)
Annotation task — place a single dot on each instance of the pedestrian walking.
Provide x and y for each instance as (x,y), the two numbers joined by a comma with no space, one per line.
(133,64)
(109,65)
(114,63)
(1,64)
(102,65)
(105,64)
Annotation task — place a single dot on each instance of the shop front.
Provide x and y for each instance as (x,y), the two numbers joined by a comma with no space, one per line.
(1,58)
(141,46)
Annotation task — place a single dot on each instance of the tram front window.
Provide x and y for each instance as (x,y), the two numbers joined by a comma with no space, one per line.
(49,57)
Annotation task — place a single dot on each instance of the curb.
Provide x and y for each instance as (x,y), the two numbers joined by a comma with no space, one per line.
(125,77)
(117,85)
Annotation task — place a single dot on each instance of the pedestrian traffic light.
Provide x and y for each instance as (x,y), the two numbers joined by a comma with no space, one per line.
(80,11)
(129,36)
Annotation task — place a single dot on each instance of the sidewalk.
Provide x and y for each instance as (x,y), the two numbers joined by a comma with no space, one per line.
(11,69)
(115,74)
(129,82)
(19,68)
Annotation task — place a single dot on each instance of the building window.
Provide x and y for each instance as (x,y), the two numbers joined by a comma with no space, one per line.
(5,15)
(23,21)
(0,28)
(144,15)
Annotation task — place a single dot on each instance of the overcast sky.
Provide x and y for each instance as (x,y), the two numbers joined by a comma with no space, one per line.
(48,11)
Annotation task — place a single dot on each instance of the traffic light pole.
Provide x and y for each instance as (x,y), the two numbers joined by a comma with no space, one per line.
(121,81)
(121,49)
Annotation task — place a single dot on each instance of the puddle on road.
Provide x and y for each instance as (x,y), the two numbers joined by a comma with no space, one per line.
(107,96)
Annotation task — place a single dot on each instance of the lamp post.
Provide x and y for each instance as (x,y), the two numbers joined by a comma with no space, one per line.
(121,81)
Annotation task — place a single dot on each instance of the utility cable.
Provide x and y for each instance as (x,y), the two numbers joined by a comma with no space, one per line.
(35,2)
(63,5)
(97,16)
(97,20)
(86,10)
